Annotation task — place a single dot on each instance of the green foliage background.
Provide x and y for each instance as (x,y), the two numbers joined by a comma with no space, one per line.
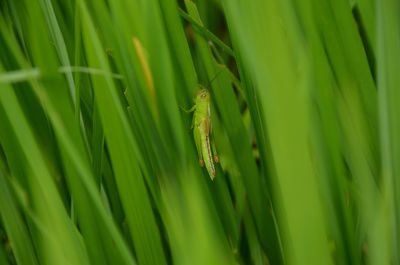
(98,166)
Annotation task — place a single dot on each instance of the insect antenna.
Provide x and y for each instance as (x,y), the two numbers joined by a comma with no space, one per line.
(212,79)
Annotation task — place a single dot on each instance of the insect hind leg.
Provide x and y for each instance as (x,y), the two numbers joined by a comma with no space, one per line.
(214,150)
(197,140)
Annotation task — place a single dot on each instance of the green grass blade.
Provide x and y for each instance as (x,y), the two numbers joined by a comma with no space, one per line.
(206,33)
(16,230)
(121,144)
(45,197)
(283,90)
(231,118)
(388,55)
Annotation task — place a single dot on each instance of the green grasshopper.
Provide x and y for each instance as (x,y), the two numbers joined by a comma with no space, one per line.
(202,129)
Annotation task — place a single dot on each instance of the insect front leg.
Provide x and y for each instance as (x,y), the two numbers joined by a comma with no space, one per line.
(188,110)
(197,140)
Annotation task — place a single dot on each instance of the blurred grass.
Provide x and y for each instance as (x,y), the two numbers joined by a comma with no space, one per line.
(98,165)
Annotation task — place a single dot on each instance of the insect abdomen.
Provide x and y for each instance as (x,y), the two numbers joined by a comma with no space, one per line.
(207,155)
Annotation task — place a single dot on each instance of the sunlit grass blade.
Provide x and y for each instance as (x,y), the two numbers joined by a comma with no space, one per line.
(284,96)
(98,164)
(387,245)
(120,142)
(190,222)
(88,204)
(44,194)
(223,93)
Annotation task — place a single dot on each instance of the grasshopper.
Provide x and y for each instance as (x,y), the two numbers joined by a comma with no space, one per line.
(202,129)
